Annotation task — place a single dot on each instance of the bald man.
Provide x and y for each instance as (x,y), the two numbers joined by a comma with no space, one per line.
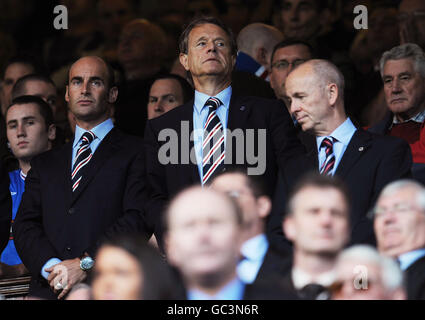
(89,189)
(366,162)
(255,43)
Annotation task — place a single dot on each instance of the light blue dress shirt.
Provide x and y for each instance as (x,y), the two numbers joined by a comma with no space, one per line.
(408,258)
(200,114)
(254,251)
(234,290)
(100,131)
(342,136)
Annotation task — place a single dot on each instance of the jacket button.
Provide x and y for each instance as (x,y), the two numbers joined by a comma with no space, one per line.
(71,211)
(68,248)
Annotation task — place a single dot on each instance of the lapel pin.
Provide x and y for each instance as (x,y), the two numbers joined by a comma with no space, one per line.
(361,149)
(242,108)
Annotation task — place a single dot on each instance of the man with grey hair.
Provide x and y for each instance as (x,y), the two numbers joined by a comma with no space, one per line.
(366,162)
(255,44)
(403,74)
(364,274)
(399,222)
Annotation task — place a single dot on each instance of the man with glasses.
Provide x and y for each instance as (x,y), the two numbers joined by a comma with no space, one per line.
(285,56)
(399,223)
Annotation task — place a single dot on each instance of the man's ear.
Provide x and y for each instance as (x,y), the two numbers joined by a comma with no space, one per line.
(67,94)
(113,95)
(261,56)
(289,228)
(184,61)
(332,93)
(264,206)
(51,132)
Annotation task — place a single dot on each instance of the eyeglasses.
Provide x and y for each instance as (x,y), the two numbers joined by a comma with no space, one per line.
(400,208)
(417,15)
(284,64)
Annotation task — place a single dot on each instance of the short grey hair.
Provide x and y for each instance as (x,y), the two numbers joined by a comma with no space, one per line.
(390,272)
(405,51)
(398,185)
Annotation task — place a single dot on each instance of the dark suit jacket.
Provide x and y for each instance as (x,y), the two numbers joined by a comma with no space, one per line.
(274,264)
(52,221)
(369,163)
(282,148)
(383,127)
(5,207)
(415,280)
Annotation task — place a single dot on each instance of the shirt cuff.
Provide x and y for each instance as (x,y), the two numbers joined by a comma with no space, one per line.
(48,264)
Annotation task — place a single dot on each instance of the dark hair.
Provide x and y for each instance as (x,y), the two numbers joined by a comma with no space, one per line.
(24,59)
(292,42)
(255,183)
(320,4)
(184,37)
(43,107)
(19,87)
(187,89)
(315,179)
(158,280)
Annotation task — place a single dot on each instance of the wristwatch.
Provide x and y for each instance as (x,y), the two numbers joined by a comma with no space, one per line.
(86,263)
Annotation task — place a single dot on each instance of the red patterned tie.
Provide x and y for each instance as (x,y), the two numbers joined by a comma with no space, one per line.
(329,162)
(213,143)
(82,157)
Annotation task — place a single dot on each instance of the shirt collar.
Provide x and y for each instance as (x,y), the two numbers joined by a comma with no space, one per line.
(301,278)
(342,134)
(408,258)
(420,117)
(201,98)
(255,248)
(100,131)
(232,291)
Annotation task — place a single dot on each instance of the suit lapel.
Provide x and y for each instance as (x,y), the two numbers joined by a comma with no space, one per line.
(106,149)
(66,158)
(358,145)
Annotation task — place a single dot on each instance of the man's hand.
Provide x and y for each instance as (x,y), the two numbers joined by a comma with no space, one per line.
(63,276)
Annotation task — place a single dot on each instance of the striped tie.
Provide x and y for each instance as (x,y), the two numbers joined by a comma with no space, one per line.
(329,162)
(82,157)
(213,143)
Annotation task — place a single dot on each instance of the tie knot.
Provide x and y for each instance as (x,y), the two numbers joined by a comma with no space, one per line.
(327,143)
(88,137)
(213,103)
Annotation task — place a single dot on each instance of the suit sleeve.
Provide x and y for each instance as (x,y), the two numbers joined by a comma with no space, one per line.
(5,208)
(132,220)
(31,241)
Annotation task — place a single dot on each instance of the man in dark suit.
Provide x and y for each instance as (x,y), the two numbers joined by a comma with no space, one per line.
(5,207)
(366,162)
(260,260)
(249,131)
(82,192)
(399,222)
(318,223)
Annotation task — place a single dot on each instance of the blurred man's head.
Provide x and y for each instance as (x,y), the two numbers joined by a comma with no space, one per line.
(317,219)
(204,235)
(249,193)
(29,126)
(363,274)
(167,92)
(399,218)
(287,55)
(257,40)
(412,21)
(301,19)
(315,90)
(403,74)
(15,69)
(37,85)
(141,49)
